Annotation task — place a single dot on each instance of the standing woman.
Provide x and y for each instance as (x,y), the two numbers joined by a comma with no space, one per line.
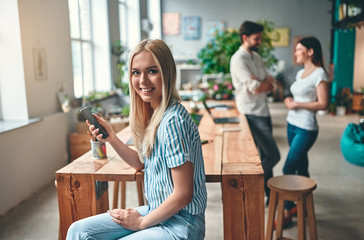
(309,94)
(168,148)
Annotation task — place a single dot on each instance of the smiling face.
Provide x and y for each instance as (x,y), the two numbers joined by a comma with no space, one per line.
(146,78)
(302,54)
(253,41)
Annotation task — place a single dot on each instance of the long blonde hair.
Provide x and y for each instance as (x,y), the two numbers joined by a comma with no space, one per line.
(144,122)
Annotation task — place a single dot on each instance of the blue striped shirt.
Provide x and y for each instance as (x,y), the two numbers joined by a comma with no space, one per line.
(177,141)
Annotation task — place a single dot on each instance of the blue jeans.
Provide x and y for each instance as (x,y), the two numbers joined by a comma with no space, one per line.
(300,141)
(261,129)
(183,225)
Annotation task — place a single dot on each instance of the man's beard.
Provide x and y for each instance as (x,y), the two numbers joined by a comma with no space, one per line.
(254,48)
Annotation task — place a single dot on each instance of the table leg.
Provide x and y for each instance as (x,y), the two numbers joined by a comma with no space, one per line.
(243,206)
(76,199)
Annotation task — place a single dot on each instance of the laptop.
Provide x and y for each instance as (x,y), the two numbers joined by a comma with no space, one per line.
(223,119)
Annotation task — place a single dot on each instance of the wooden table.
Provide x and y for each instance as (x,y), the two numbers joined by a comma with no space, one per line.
(230,158)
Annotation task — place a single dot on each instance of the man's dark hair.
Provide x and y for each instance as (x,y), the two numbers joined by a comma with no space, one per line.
(248,28)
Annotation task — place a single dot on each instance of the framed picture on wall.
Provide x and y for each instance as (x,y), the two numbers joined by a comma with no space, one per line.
(212,27)
(280,37)
(191,27)
(40,64)
(171,23)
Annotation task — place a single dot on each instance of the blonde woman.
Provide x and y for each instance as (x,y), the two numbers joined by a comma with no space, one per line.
(168,149)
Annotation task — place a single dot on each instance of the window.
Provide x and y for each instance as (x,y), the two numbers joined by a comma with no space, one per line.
(123,19)
(92,36)
(82,46)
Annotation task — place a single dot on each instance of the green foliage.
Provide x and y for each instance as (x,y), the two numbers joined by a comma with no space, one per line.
(215,56)
(125,88)
(92,96)
(343,98)
(125,111)
(120,52)
(266,48)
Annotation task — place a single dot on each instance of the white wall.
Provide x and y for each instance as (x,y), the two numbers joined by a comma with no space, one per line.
(29,156)
(45,23)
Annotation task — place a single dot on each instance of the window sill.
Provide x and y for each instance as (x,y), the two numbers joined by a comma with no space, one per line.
(7,126)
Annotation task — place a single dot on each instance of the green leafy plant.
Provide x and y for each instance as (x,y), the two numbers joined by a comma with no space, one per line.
(125,88)
(266,48)
(125,111)
(92,96)
(120,52)
(332,108)
(215,56)
(344,99)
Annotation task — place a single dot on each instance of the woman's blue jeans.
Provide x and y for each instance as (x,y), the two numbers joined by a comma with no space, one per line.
(300,142)
(180,226)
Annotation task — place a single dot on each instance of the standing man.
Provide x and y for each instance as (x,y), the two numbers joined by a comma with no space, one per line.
(252,82)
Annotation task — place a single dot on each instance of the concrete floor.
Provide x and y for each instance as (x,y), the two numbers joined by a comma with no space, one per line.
(339,197)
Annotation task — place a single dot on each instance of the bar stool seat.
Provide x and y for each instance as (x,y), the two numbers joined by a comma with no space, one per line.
(291,188)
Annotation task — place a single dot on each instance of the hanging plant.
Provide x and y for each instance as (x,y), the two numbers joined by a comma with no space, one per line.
(120,52)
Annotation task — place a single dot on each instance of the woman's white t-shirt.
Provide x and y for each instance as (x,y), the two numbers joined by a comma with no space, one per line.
(304,90)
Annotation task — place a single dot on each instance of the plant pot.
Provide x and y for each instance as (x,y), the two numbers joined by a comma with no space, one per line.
(340,111)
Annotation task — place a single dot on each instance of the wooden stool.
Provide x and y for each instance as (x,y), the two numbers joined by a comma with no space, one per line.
(292,188)
(140,189)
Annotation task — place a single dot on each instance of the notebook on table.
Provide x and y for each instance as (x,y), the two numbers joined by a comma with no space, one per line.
(222,119)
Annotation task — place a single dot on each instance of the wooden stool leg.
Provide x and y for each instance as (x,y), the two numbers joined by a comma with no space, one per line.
(59,231)
(271,214)
(280,213)
(116,195)
(140,192)
(311,217)
(123,194)
(301,220)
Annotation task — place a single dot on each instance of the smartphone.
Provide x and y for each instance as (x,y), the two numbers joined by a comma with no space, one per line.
(91,118)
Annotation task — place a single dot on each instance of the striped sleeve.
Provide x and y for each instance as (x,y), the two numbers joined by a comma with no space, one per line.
(177,140)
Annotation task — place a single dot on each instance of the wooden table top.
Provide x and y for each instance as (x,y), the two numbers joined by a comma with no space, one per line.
(240,148)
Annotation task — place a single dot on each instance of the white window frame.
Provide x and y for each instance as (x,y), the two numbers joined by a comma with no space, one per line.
(100,62)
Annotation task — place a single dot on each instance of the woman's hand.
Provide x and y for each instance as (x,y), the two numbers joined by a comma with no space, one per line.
(290,103)
(128,218)
(96,133)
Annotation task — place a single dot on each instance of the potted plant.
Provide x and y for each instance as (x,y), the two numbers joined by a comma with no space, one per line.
(332,108)
(221,90)
(122,86)
(215,56)
(343,101)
